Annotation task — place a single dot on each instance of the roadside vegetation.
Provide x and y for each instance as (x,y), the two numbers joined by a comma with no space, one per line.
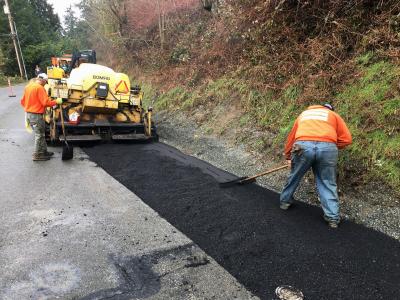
(40,34)
(243,70)
(13,80)
(370,104)
(251,66)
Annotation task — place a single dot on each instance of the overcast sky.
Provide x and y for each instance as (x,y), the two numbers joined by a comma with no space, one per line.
(60,6)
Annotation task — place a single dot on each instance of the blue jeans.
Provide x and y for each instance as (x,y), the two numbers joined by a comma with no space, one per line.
(322,157)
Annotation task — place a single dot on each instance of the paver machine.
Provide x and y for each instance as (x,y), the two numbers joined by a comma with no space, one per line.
(99,104)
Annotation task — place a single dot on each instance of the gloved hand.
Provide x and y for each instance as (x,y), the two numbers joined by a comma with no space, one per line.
(59,101)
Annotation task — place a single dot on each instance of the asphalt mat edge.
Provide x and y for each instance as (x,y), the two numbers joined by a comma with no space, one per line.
(244,230)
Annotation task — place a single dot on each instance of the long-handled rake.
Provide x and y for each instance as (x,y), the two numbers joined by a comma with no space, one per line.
(246,180)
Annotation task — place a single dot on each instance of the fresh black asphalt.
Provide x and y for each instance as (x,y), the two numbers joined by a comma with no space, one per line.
(244,230)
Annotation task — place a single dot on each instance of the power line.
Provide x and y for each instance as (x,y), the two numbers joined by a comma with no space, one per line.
(20,50)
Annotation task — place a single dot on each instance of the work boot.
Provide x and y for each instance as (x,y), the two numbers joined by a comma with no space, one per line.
(49,153)
(40,157)
(331,223)
(285,205)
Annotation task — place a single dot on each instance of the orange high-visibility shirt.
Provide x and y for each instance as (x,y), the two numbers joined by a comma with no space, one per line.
(35,98)
(320,124)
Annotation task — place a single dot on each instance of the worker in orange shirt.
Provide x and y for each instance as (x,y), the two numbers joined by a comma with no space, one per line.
(34,102)
(313,142)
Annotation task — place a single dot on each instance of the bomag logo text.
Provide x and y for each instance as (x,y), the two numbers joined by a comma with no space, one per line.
(101,77)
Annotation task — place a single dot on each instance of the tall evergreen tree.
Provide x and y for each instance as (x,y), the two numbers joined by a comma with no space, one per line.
(46,14)
(70,22)
(38,30)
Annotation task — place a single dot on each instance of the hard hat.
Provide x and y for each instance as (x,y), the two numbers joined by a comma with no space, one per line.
(43,76)
(327,105)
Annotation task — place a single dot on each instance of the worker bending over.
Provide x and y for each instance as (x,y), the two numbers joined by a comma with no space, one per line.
(34,102)
(313,143)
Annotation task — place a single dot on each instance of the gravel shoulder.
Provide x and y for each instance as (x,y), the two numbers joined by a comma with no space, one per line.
(371,205)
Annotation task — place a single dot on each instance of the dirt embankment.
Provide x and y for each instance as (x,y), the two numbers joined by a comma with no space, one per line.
(371,204)
(253,68)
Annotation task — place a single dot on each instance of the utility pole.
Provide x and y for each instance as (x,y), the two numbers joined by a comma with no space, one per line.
(7,11)
(20,50)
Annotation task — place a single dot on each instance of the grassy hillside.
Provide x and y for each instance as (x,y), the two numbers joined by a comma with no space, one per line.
(252,67)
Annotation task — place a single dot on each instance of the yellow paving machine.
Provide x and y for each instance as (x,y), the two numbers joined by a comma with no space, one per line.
(99,104)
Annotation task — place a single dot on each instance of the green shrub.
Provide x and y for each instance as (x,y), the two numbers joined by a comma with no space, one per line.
(14,80)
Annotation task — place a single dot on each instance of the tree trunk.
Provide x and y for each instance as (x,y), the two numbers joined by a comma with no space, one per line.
(160,24)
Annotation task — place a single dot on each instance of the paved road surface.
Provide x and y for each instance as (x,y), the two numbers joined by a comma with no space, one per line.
(71,231)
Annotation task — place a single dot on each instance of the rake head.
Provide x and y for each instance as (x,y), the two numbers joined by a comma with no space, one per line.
(239,181)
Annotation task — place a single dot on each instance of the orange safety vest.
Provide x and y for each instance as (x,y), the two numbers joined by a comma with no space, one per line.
(320,124)
(35,99)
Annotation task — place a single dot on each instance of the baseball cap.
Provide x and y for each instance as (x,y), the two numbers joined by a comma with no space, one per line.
(43,76)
